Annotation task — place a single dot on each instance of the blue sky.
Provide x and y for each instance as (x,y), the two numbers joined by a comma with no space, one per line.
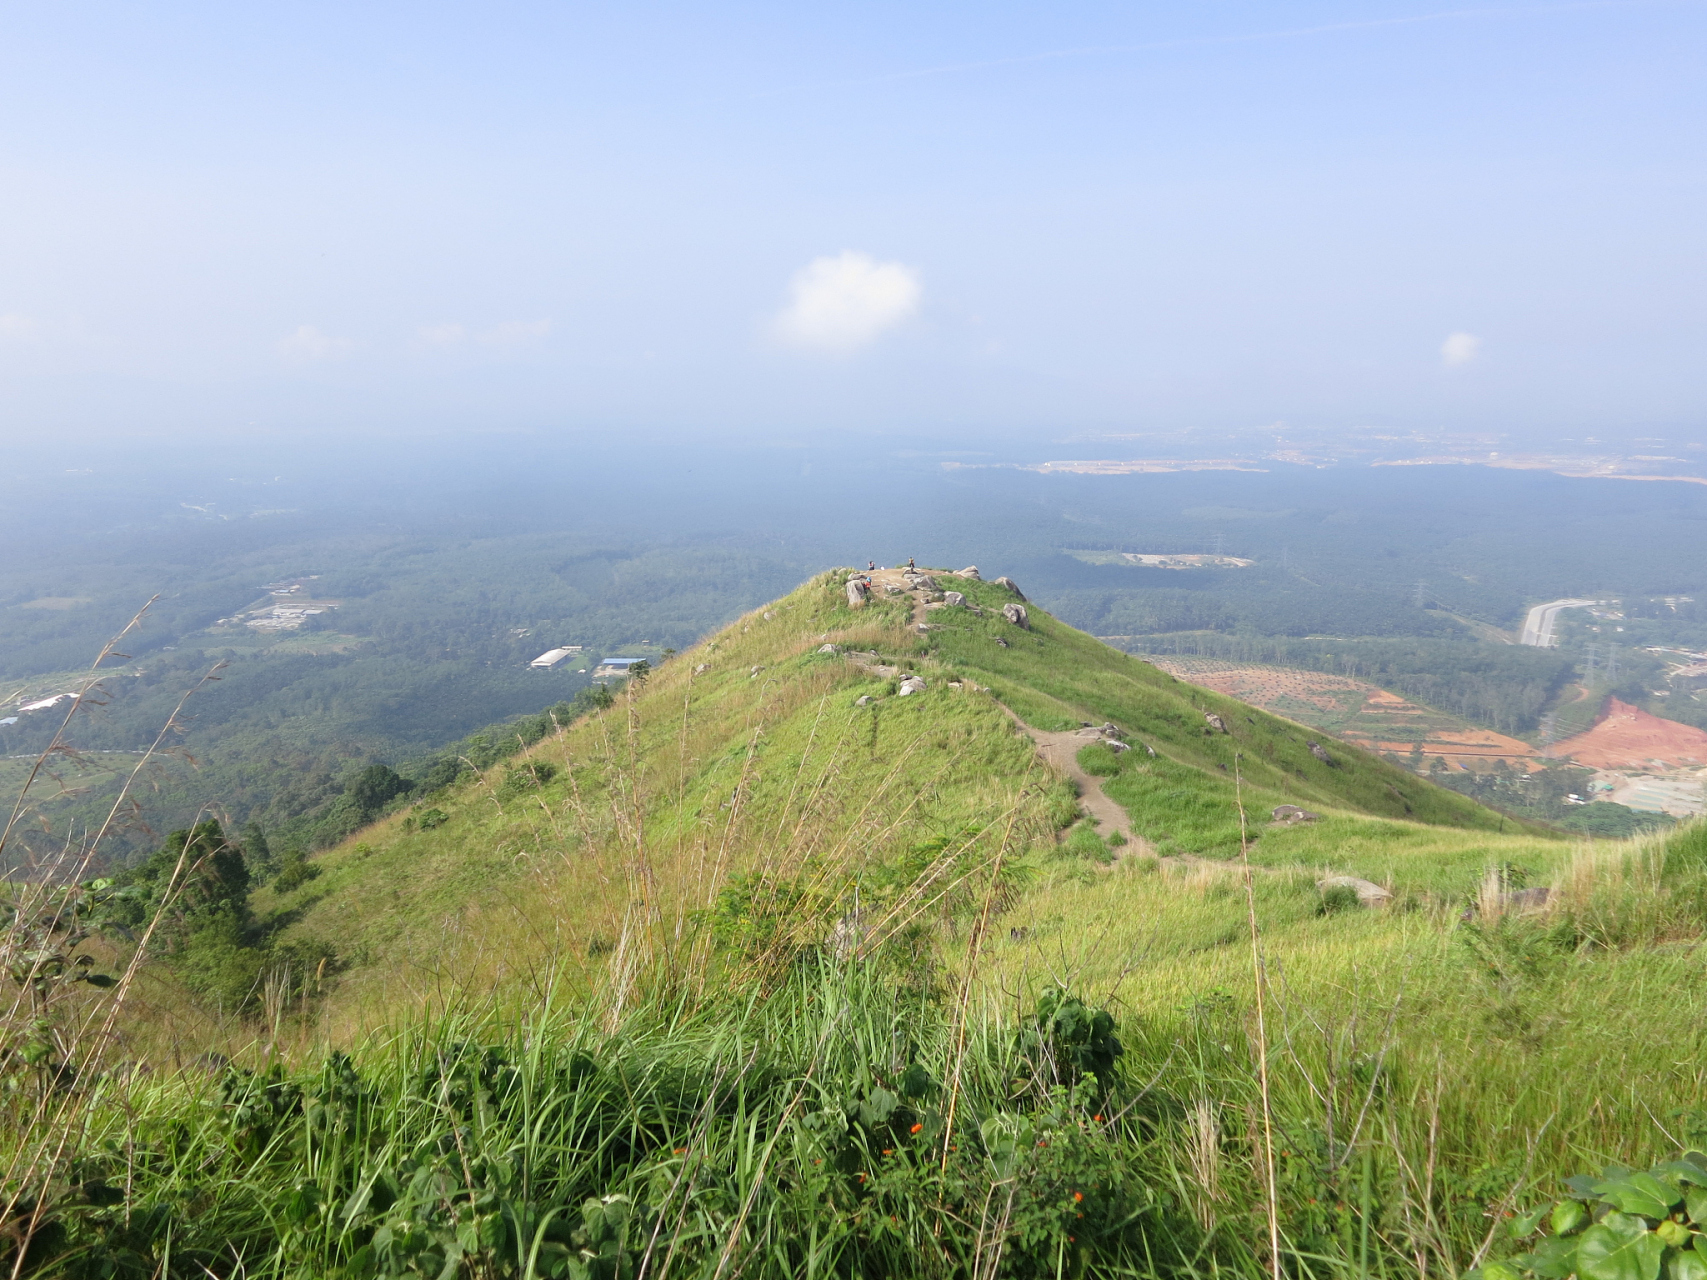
(957,220)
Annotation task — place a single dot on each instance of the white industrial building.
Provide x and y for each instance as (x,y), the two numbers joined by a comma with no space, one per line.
(551,657)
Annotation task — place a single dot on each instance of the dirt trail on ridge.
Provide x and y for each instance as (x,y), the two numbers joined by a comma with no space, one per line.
(1060,751)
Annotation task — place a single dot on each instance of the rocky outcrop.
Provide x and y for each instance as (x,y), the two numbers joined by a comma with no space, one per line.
(953,599)
(1215,722)
(911,685)
(1011,585)
(828,648)
(1368,894)
(1016,614)
(970,571)
(1320,752)
(858,590)
(1291,815)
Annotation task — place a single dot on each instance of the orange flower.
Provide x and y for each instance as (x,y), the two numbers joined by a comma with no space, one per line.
(1098,1119)
(862,1177)
(915,1128)
(888,1151)
(1078,1197)
(681,1151)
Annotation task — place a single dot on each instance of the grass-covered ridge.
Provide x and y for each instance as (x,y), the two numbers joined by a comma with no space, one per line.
(739,976)
(749,748)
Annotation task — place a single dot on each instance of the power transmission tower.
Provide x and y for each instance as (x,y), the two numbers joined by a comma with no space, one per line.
(1549,727)
(1588,667)
(1611,664)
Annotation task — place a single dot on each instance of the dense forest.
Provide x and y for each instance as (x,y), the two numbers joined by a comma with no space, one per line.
(451,573)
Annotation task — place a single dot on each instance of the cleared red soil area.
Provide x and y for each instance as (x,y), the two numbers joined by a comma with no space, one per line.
(1626,737)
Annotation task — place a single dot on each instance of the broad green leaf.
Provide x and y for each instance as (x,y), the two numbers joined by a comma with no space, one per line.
(1619,1247)
(1583,1184)
(1686,1264)
(1553,1259)
(1525,1223)
(1696,1203)
(1639,1193)
(1684,1170)
(1568,1216)
(1500,1271)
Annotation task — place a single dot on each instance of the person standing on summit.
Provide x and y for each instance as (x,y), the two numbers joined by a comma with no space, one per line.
(910,562)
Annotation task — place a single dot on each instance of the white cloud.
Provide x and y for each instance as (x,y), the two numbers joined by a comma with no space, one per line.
(16,326)
(1459,348)
(839,303)
(513,332)
(308,343)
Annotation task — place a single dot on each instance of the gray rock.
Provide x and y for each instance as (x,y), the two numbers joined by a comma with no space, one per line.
(953,599)
(911,685)
(864,700)
(828,648)
(1215,722)
(857,592)
(1292,814)
(1016,614)
(755,671)
(1116,745)
(769,615)
(889,588)
(970,571)
(1001,642)
(702,668)
(1317,750)
(1011,585)
(1368,895)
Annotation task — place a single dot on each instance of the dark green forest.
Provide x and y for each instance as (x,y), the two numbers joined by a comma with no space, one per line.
(452,572)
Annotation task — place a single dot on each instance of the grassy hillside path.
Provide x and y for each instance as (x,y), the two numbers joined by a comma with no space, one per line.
(1060,751)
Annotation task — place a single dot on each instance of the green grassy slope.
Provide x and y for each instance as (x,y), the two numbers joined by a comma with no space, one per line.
(749,753)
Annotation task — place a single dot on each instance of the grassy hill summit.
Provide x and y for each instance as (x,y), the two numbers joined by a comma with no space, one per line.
(818,738)
(895,929)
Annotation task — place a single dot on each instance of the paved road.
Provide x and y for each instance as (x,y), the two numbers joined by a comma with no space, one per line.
(1538,626)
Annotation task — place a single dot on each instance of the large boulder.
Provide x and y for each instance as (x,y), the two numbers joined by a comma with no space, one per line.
(827,648)
(858,590)
(1320,752)
(1016,614)
(953,599)
(970,571)
(911,685)
(1368,895)
(1292,815)
(1011,585)
(1215,722)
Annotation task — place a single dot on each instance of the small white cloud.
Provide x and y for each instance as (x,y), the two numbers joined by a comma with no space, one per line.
(843,302)
(511,333)
(514,332)
(443,335)
(308,343)
(1459,348)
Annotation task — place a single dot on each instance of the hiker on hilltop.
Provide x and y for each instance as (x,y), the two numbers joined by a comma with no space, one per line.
(871,565)
(910,562)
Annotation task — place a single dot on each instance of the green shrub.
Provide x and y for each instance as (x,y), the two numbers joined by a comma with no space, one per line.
(1083,842)
(296,872)
(1623,1225)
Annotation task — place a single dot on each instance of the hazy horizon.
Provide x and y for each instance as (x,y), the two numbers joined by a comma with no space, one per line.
(963,224)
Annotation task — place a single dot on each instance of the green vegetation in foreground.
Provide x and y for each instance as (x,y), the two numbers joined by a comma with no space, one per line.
(740,977)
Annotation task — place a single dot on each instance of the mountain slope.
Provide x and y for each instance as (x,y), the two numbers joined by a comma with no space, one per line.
(750,761)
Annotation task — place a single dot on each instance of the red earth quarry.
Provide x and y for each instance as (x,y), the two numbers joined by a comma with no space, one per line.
(1626,737)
